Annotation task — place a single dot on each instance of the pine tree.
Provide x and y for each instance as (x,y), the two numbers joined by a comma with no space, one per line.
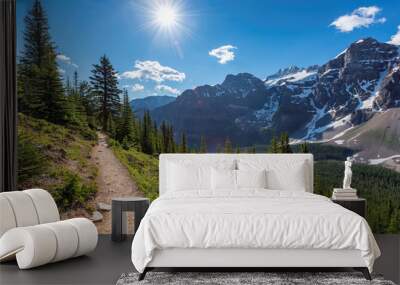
(40,89)
(237,149)
(138,132)
(156,138)
(274,147)
(304,148)
(105,87)
(160,141)
(126,123)
(203,145)
(77,110)
(76,82)
(228,146)
(167,138)
(89,103)
(164,137)
(126,144)
(68,90)
(110,127)
(147,141)
(171,141)
(183,145)
(284,144)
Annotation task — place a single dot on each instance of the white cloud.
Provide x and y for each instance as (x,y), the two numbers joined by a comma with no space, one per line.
(153,70)
(223,53)
(360,17)
(137,87)
(395,39)
(166,88)
(66,59)
(61,71)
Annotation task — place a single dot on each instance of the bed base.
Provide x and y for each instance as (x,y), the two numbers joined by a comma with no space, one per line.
(242,259)
(363,270)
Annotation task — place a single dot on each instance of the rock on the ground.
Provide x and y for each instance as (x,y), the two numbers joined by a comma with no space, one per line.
(103,206)
(96,216)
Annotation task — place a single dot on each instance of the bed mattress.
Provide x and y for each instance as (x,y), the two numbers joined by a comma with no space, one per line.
(250,219)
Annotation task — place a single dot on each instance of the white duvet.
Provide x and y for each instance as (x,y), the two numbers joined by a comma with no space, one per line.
(250,219)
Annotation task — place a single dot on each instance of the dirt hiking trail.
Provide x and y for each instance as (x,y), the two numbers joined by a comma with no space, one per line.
(113,180)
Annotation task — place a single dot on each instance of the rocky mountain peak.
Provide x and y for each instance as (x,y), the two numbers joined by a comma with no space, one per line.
(368,50)
(242,78)
(284,72)
(292,75)
(242,82)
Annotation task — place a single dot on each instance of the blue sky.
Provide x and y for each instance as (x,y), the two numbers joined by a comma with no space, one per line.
(257,36)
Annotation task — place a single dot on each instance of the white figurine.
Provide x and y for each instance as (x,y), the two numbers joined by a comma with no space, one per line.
(347,173)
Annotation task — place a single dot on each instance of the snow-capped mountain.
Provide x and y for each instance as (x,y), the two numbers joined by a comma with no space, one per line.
(292,75)
(345,90)
(314,103)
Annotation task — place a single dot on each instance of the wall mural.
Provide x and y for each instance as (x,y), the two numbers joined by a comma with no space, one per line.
(104,87)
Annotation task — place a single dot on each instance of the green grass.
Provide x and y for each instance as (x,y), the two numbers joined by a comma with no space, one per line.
(142,167)
(57,159)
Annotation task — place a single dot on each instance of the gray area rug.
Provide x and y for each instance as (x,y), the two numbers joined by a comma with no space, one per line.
(228,278)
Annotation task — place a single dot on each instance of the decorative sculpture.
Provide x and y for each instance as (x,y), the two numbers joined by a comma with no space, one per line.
(347,173)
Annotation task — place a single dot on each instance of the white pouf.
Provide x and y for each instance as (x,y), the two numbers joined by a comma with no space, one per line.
(31,230)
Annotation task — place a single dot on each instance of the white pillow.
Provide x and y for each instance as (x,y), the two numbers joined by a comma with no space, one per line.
(185,178)
(251,178)
(281,174)
(291,178)
(223,179)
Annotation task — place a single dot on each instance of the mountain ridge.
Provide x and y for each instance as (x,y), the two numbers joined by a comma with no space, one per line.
(149,103)
(312,103)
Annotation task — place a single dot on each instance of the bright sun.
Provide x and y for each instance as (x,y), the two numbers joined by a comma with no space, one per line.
(166,16)
(169,20)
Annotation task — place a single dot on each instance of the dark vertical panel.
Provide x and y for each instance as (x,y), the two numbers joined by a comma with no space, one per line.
(140,210)
(116,221)
(8,97)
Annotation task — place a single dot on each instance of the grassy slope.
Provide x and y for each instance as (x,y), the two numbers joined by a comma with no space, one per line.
(142,167)
(64,156)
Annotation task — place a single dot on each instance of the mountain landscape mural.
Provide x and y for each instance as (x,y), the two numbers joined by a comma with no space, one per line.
(99,100)
(316,103)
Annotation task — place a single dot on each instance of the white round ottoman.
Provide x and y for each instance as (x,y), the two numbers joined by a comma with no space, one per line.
(31,232)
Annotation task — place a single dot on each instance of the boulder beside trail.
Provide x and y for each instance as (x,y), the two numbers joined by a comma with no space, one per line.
(103,206)
(96,216)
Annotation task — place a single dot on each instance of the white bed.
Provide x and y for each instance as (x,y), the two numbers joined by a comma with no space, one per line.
(248,227)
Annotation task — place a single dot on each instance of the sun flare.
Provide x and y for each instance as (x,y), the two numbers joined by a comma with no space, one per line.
(166,16)
(169,20)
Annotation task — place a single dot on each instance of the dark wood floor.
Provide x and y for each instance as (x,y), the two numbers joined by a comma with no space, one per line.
(103,266)
(110,260)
